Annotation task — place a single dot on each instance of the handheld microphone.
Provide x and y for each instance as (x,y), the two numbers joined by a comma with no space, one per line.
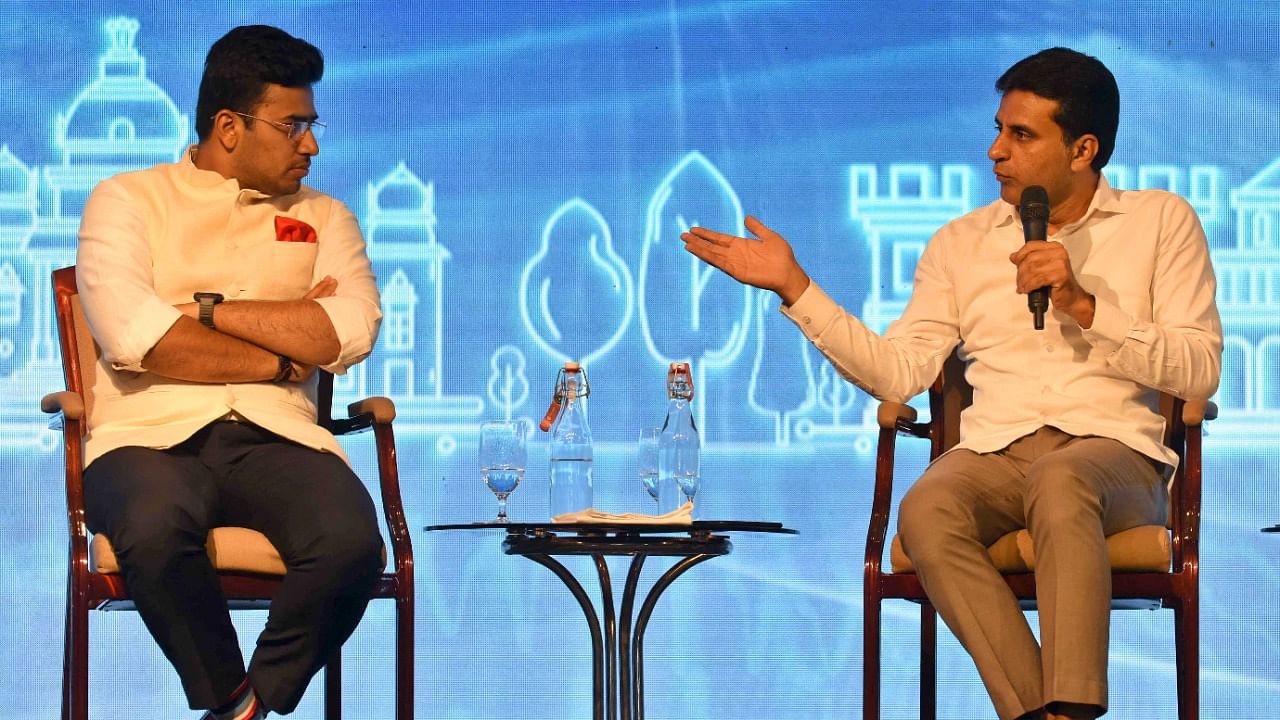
(1033,207)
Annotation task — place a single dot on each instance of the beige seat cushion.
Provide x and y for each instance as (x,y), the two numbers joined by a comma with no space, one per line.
(232,549)
(1140,549)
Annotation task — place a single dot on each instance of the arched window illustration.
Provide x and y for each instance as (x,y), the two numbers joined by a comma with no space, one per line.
(122,130)
(1236,386)
(1268,373)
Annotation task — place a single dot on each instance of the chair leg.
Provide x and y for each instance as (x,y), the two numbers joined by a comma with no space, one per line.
(333,687)
(1186,620)
(66,659)
(404,657)
(928,662)
(75,657)
(871,654)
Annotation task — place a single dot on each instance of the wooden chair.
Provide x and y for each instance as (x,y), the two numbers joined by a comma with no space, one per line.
(1152,567)
(250,568)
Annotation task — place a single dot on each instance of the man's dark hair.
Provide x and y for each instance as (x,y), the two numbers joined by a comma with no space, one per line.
(1086,92)
(243,62)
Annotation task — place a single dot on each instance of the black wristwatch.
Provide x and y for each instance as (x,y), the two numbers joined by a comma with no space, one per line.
(207,300)
(284,369)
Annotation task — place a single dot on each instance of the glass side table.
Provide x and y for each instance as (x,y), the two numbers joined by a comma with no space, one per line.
(617,639)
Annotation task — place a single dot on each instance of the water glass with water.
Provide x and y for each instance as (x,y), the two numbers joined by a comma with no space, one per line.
(503,456)
(647,460)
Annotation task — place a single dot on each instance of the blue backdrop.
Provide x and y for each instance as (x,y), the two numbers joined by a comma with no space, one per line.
(522,171)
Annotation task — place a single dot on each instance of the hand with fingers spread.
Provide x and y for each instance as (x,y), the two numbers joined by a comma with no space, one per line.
(767,263)
(1042,264)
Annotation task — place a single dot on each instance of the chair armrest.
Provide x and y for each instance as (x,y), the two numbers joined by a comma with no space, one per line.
(1195,412)
(363,415)
(70,404)
(889,413)
(381,408)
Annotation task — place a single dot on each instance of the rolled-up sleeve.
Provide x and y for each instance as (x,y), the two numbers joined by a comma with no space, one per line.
(355,309)
(114,277)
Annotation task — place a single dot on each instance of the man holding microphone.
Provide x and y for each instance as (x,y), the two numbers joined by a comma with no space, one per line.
(1064,434)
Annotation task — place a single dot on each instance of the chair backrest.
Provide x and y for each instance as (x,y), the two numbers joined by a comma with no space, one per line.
(79,351)
(949,395)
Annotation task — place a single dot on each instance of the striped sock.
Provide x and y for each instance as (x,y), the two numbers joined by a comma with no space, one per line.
(243,705)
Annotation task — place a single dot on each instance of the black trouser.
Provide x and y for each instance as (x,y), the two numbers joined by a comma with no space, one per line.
(157,506)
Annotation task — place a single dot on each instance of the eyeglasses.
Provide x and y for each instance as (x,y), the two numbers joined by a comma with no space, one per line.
(295,129)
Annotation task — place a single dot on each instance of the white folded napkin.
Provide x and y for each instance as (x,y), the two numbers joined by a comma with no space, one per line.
(682,515)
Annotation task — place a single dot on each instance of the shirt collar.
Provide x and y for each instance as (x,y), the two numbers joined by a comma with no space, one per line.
(213,180)
(1106,199)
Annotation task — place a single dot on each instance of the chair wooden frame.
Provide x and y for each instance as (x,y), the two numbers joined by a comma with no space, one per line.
(89,590)
(1178,589)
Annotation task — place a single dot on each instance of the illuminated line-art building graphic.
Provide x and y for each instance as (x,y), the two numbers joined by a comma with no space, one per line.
(576,310)
(17,225)
(677,324)
(17,202)
(1200,185)
(1248,294)
(1246,260)
(896,224)
(407,364)
(121,121)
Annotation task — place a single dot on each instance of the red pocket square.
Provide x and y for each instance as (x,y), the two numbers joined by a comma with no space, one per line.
(291,230)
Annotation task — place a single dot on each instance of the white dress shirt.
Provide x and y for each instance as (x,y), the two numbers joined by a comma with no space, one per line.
(149,240)
(1144,257)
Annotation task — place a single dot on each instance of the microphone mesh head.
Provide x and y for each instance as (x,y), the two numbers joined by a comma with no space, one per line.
(1034,203)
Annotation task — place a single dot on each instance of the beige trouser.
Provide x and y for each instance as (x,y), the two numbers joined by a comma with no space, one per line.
(1070,493)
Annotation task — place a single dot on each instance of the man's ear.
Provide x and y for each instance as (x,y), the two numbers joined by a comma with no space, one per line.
(226,129)
(1083,151)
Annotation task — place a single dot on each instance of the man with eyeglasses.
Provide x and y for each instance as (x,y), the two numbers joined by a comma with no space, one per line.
(215,286)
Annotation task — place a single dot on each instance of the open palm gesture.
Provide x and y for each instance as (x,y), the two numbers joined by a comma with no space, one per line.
(767,262)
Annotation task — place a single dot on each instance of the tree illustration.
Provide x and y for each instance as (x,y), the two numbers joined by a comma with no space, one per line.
(690,311)
(508,387)
(781,376)
(576,292)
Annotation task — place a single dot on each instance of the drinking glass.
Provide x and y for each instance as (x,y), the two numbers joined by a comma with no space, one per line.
(647,463)
(503,456)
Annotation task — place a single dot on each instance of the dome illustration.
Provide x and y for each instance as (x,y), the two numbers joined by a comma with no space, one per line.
(121,116)
(402,192)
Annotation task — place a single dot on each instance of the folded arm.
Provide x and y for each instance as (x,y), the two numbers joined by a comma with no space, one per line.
(138,331)
(192,352)
(297,329)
